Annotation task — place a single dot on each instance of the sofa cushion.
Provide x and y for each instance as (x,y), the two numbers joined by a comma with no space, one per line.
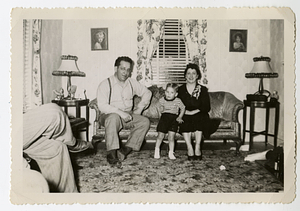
(225,124)
(153,111)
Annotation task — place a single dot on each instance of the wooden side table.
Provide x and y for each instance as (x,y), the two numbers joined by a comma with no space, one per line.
(77,122)
(260,104)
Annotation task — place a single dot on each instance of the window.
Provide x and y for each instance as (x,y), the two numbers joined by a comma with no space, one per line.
(171,57)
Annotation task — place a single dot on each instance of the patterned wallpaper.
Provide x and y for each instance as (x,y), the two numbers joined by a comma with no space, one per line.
(51,49)
(277,64)
(226,70)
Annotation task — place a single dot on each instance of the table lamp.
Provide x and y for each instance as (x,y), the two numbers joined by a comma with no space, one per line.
(261,70)
(69,68)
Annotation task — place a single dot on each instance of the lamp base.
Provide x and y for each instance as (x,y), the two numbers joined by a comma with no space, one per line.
(69,98)
(263,92)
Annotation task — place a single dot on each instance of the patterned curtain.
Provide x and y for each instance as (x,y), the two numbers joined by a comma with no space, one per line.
(194,32)
(32,86)
(149,34)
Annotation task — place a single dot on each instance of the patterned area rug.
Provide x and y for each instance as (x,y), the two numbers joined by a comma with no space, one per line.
(141,173)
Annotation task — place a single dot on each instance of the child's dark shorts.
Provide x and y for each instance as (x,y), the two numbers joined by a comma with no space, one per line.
(167,123)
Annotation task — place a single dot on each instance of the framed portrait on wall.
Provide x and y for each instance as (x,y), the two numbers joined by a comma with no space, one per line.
(99,39)
(238,40)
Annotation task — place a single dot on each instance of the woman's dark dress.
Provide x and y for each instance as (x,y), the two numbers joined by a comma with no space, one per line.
(199,121)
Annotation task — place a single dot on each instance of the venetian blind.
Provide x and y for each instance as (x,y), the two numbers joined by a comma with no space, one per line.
(170,59)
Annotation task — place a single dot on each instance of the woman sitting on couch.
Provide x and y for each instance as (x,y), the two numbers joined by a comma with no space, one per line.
(197,102)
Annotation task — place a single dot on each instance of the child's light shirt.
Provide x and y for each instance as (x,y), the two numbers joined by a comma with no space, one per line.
(171,106)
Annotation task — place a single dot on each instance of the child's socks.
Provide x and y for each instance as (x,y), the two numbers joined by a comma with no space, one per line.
(157,153)
(171,155)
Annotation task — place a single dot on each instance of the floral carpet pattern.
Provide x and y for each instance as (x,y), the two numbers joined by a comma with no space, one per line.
(141,173)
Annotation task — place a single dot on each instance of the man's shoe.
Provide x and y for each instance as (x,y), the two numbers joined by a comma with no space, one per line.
(95,142)
(79,146)
(113,160)
(123,152)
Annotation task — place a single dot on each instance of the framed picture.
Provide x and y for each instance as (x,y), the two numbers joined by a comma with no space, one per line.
(99,39)
(238,40)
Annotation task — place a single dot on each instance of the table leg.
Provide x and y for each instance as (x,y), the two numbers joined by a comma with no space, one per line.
(244,122)
(78,113)
(88,122)
(252,116)
(276,124)
(267,125)
(66,110)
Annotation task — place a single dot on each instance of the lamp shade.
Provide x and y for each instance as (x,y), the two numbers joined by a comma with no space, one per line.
(261,69)
(68,67)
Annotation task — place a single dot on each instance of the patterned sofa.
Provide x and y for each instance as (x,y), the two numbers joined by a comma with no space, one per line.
(224,109)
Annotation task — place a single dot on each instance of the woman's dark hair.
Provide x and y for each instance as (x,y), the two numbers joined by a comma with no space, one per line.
(100,32)
(238,34)
(195,67)
(124,58)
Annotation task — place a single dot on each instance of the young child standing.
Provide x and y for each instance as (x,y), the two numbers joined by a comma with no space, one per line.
(168,123)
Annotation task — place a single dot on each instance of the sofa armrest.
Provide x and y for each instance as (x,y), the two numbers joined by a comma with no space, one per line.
(235,111)
(231,107)
(93,105)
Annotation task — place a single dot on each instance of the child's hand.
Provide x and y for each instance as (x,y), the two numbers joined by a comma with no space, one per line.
(161,108)
(179,120)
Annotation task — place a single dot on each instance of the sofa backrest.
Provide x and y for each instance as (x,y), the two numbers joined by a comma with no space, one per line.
(216,104)
(153,111)
(222,104)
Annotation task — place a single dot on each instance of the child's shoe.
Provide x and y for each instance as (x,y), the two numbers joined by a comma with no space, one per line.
(157,153)
(171,155)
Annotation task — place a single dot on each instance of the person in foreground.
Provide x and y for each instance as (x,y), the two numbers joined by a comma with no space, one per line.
(115,101)
(48,138)
(271,154)
(33,181)
(168,123)
(197,103)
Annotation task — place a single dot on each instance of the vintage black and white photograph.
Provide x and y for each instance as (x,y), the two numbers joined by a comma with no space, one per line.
(238,40)
(167,110)
(99,39)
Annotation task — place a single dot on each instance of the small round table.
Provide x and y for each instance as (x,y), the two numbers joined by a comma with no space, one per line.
(260,104)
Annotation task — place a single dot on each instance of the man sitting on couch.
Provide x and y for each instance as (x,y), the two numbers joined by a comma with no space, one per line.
(115,101)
